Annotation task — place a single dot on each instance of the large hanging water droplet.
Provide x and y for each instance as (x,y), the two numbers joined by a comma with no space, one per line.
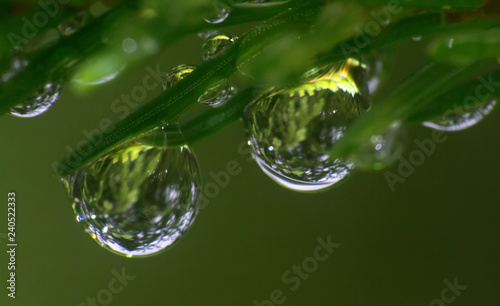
(38,103)
(292,131)
(382,150)
(256,3)
(215,44)
(138,200)
(460,119)
(215,96)
(220,14)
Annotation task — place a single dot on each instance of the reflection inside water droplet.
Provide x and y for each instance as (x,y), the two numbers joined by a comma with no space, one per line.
(382,150)
(215,44)
(38,103)
(137,200)
(220,14)
(301,125)
(460,119)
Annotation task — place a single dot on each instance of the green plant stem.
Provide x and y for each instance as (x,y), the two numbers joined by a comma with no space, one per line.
(170,105)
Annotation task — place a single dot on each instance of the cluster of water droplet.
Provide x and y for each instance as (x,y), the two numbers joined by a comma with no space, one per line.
(137,200)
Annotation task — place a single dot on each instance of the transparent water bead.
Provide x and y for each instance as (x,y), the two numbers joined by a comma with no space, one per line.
(461,119)
(72,25)
(215,44)
(38,103)
(177,74)
(220,14)
(292,131)
(382,150)
(138,200)
(17,64)
(256,3)
(215,96)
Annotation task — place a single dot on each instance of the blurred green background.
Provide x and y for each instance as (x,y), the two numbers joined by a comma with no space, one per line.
(397,248)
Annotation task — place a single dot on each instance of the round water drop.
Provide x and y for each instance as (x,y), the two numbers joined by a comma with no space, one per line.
(38,103)
(220,14)
(382,150)
(218,94)
(177,74)
(292,131)
(461,119)
(215,44)
(138,200)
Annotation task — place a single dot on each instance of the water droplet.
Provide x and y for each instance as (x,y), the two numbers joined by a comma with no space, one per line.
(256,3)
(38,103)
(377,64)
(382,150)
(177,74)
(302,124)
(461,119)
(215,44)
(450,43)
(17,64)
(221,12)
(137,200)
(218,94)
(417,38)
(72,25)
(215,96)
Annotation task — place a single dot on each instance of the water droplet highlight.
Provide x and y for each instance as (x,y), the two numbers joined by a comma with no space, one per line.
(218,94)
(38,103)
(291,131)
(138,200)
(215,44)
(382,150)
(461,119)
(215,96)
(220,14)
(177,74)
(73,24)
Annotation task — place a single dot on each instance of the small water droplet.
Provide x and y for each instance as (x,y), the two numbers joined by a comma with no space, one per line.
(38,103)
(382,150)
(417,38)
(220,14)
(138,200)
(302,124)
(177,74)
(18,63)
(218,94)
(256,3)
(215,44)
(73,24)
(450,43)
(461,119)
(215,96)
